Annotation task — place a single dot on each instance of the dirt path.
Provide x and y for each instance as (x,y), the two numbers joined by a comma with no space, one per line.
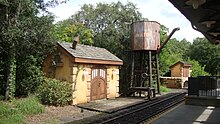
(57,115)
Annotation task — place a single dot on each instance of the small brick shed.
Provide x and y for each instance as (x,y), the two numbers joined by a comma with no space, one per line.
(180,69)
(92,71)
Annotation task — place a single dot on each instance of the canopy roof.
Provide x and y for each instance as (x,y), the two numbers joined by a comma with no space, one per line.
(204,16)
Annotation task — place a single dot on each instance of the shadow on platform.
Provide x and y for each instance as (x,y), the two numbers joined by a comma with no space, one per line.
(191,114)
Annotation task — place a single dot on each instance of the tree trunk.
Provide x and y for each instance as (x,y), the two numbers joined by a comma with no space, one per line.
(11,75)
(11,62)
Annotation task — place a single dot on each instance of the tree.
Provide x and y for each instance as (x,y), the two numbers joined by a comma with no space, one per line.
(197,69)
(24,33)
(208,55)
(173,51)
(110,24)
(65,31)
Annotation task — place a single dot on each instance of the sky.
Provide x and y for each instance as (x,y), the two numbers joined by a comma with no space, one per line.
(161,11)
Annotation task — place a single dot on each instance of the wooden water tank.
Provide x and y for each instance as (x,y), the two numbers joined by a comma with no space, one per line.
(145,35)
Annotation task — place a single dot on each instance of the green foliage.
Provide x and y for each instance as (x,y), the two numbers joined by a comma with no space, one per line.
(202,55)
(14,112)
(55,92)
(207,54)
(197,69)
(24,33)
(10,115)
(33,77)
(29,105)
(163,33)
(110,24)
(164,89)
(171,53)
(1,97)
(10,92)
(1,78)
(67,29)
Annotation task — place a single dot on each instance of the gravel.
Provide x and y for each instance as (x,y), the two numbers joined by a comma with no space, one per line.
(57,115)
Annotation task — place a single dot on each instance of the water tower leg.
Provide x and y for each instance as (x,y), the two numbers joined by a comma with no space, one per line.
(150,75)
(142,66)
(150,69)
(132,70)
(158,74)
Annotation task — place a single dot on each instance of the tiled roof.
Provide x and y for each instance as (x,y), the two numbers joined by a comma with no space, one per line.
(185,64)
(88,52)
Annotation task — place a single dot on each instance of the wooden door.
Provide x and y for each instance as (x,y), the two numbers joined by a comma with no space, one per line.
(98,83)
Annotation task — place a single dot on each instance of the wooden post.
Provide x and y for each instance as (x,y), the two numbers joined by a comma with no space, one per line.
(144,71)
(142,66)
(158,74)
(150,75)
(150,69)
(132,70)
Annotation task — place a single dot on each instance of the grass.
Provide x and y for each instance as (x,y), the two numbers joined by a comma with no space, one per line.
(29,106)
(15,111)
(164,89)
(10,115)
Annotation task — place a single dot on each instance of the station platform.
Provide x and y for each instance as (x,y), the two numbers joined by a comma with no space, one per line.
(112,105)
(190,114)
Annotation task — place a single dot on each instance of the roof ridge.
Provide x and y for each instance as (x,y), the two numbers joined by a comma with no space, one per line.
(89,52)
(83,45)
(91,46)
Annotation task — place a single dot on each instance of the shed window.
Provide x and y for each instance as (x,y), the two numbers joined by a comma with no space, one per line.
(102,73)
(94,73)
(57,58)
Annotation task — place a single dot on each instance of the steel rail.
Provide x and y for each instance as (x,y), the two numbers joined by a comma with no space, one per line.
(143,112)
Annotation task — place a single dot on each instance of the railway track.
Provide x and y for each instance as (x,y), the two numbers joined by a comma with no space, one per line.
(141,112)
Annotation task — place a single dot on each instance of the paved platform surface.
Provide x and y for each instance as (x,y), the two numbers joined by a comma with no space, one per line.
(190,114)
(94,108)
(111,105)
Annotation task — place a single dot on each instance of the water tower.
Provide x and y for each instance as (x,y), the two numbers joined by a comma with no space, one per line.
(145,44)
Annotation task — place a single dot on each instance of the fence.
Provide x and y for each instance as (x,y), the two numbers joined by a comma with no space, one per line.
(204,86)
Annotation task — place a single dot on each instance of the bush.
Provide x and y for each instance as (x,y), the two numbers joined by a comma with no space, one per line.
(30,84)
(55,92)
(29,106)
